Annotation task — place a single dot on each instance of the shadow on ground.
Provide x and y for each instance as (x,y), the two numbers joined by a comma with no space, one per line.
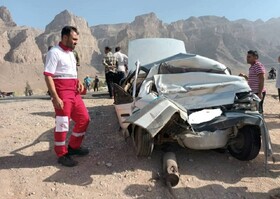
(108,146)
(212,191)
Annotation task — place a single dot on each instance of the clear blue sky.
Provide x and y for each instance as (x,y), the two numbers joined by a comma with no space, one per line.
(39,13)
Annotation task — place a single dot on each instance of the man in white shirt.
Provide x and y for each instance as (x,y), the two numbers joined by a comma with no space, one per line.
(122,60)
(65,88)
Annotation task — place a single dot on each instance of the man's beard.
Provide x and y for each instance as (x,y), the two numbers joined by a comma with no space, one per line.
(71,45)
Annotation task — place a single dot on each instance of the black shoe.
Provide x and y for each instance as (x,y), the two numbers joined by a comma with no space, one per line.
(79,151)
(67,161)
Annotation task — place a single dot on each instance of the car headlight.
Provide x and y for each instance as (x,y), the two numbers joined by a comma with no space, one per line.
(253,106)
(246,101)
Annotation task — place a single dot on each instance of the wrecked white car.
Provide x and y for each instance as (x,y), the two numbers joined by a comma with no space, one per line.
(186,98)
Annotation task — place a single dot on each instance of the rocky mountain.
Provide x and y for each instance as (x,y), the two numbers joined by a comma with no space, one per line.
(6,18)
(23,50)
(18,43)
(211,36)
(87,44)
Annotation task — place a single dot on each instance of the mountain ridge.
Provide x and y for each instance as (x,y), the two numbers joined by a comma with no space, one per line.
(211,36)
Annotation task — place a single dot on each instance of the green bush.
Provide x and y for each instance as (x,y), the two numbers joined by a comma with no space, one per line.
(102,83)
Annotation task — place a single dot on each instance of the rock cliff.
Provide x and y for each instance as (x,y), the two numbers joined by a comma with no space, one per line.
(87,44)
(23,50)
(6,18)
(17,43)
(211,36)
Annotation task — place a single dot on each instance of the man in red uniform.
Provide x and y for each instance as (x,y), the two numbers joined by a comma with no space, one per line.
(61,79)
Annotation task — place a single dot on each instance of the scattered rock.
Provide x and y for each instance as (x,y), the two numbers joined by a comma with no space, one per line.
(29,169)
(109,164)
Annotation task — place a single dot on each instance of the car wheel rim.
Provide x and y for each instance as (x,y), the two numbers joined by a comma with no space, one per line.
(238,144)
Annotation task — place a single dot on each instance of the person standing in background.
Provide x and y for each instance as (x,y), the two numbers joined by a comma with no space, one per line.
(96,83)
(109,62)
(122,61)
(87,82)
(65,88)
(278,78)
(256,76)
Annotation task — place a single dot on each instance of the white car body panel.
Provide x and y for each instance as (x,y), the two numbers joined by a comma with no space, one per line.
(157,49)
(203,83)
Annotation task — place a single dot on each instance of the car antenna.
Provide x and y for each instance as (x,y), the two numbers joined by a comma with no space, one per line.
(135,80)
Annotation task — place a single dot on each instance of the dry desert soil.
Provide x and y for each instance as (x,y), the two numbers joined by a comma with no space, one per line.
(29,168)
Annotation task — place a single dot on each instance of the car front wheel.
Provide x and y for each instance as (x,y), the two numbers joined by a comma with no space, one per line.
(246,146)
(143,142)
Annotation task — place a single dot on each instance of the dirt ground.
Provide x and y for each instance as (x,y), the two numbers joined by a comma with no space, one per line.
(29,168)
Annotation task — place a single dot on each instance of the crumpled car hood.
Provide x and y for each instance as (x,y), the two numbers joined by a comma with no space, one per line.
(197,90)
(156,114)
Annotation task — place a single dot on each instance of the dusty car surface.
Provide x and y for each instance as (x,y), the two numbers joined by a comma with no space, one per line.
(174,96)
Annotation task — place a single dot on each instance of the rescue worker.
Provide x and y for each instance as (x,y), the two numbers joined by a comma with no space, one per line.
(61,79)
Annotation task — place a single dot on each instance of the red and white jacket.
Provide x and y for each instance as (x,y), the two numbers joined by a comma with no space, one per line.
(61,65)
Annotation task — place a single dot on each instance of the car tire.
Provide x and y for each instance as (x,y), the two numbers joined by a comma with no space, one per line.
(246,146)
(143,142)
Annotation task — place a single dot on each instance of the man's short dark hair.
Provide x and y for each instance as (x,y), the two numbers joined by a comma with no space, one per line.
(254,53)
(66,30)
(117,49)
(108,48)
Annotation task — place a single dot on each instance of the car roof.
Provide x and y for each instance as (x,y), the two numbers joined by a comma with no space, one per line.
(150,50)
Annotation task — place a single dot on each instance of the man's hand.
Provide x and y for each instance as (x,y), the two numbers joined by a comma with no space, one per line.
(57,103)
(243,75)
(80,87)
(111,67)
